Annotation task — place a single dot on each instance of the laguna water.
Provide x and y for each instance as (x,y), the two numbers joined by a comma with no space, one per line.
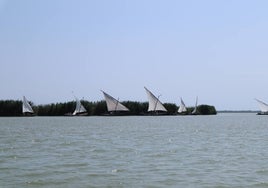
(226,150)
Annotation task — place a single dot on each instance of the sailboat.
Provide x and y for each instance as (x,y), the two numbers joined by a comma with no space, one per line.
(114,107)
(194,112)
(155,106)
(263,107)
(182,109)
(79,109)
(26,107)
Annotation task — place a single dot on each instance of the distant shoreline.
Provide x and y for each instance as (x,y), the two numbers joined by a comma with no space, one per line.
(237,111)
(14,108)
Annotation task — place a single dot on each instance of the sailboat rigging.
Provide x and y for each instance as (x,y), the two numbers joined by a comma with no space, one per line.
(113,105)
(155,104)
(79,109)
(26,107)
(263,107)
(194,112)
(182,109)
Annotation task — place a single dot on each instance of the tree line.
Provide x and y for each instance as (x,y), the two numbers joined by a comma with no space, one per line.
(14,108)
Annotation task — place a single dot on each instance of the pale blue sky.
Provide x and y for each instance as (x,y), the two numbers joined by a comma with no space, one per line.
(213,49)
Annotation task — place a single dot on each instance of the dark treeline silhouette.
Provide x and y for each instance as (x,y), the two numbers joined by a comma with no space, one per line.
(14,108)
(10,108)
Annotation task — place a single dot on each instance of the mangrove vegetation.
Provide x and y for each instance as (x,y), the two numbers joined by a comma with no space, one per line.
(14,108)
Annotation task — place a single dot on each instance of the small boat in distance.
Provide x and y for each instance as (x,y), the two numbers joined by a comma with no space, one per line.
(26,108)
(79,109)
(114,107)
(182,109)
(194,112)
(155,106)
(263,107)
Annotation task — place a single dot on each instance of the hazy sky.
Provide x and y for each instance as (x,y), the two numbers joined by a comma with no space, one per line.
(214,49)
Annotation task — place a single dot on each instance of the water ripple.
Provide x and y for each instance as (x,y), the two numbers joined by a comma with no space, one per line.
(200,151)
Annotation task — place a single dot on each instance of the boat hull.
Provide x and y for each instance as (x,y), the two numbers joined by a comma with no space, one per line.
(156,113)
(78,114)
(82,114)
(262,113)
(28,114)
(117,113)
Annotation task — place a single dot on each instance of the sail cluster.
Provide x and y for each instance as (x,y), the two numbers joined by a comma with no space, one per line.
(113,105)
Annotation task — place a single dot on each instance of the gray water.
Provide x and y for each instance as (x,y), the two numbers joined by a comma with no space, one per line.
(226,150)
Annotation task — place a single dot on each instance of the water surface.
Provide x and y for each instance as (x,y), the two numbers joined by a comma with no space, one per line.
(226,150)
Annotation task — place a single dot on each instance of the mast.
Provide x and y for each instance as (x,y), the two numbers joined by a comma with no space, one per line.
(116,104)
(156,102)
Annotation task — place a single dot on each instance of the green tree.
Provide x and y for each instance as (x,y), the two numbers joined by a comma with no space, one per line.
(206,110)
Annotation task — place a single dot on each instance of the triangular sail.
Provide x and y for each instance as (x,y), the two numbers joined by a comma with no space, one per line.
(195,108)
(182,107)
(154,102)
(79,107)
(113,104)
(26,107)
(263,106)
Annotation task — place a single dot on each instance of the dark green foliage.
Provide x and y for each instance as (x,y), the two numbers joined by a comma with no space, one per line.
(189,110)
(206,110)
(136,108)
(14,108)
(58,109)
(99,108)
(171,108)
(10,108)
(88,106)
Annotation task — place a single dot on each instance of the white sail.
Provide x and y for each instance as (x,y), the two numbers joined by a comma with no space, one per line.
(263,106)
(182,107)
(195,108)
(154,103)
(26,107)
(113,104)
(79,107)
